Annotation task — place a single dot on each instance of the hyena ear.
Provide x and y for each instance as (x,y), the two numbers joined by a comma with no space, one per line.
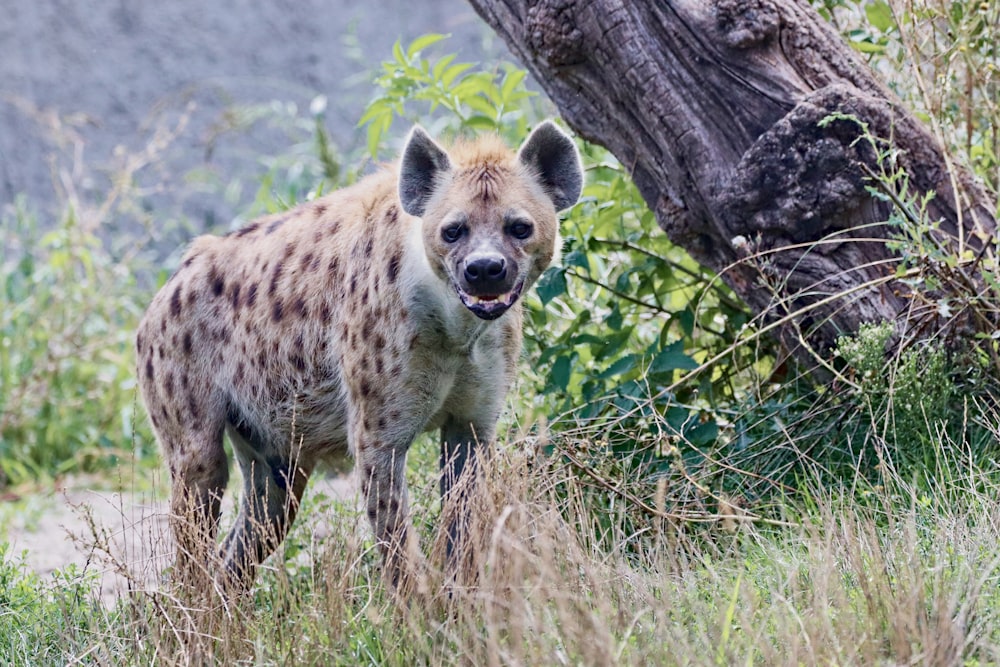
(552,157)
(422,165)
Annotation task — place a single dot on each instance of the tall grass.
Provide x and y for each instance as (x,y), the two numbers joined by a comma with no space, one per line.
(903,577)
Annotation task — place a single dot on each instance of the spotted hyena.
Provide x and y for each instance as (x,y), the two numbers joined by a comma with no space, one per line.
(350,324)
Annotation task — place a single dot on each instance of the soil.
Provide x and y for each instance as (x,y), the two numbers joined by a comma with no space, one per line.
(123,536)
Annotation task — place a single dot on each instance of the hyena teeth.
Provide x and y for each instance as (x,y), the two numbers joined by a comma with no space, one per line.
(489,298)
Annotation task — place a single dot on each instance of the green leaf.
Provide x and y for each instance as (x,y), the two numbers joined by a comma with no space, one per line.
(686,319)
(868,47)
(672,358)
(676,417)
(376,108)
(480,122)
(621,366)
(397,53)
(511,82)
(578,258)
(559,376)
(422,42)
(880,15)
(376,130)
(474,84)
(452,73)
(441,64)
(551,284)
(702,434)
(482,105)
(614,320)
(613,344)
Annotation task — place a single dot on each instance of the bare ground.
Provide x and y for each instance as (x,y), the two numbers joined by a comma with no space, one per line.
(124,536)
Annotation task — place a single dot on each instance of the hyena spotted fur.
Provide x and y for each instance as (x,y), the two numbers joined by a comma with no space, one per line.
(350,324)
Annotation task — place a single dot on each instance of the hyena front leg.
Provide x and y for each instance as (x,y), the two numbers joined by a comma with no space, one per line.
(272,490)
(382,472)
(462,445)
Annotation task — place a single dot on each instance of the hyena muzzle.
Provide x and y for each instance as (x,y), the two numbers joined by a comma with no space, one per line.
(350,324)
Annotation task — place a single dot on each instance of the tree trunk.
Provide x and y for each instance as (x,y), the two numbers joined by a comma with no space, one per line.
(714,106)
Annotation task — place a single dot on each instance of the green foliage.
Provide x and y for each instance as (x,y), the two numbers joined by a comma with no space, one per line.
(869,37)
(67,312)
(912,396)
(912,399)
(616,329)
(473,99)
(43,622)
(627,312)
(74,285)
(308,167)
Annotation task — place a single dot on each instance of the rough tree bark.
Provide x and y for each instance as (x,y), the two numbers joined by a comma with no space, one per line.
(714,107)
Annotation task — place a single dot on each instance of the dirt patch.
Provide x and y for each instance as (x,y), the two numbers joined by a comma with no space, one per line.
(123,536)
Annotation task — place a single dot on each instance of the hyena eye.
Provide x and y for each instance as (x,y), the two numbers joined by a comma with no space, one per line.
(453,232)
(520,229)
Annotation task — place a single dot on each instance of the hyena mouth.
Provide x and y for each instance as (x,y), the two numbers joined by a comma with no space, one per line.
(490,306)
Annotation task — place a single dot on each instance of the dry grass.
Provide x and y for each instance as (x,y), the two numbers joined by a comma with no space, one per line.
(902,578)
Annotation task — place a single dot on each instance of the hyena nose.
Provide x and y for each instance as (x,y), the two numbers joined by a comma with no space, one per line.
(486,272)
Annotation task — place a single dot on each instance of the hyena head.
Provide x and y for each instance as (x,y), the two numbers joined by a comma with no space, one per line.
(489,216)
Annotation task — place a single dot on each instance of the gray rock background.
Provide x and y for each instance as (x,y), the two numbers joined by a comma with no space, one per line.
(190,97)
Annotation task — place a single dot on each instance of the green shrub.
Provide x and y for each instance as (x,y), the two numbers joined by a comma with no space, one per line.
(67,313)
(45,622)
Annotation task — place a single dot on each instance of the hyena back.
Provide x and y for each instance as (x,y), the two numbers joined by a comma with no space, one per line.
(350,324)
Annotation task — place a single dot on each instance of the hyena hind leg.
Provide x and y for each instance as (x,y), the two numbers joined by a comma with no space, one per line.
(272,490)
(199,474)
